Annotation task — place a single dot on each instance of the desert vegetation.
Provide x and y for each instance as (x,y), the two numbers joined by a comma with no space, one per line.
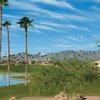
(70,76)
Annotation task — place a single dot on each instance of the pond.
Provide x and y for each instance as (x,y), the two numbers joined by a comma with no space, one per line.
(4,79)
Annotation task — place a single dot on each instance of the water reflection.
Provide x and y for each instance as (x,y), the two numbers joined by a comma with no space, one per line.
(4,79)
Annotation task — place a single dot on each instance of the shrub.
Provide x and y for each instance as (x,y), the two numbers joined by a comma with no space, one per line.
(69,75)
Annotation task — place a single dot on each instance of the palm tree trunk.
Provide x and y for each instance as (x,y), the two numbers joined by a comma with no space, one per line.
(0,32)
(8,56)
(26,58)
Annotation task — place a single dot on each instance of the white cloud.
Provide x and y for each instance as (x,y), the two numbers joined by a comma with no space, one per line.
(62,45)
(76,47)
(62,4)
(55,3)
(78,27)
(10,16)
(78,39)
(36,31)
(32,7)
(63,26)
(43,27)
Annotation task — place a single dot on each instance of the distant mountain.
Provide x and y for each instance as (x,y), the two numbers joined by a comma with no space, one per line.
(90,55)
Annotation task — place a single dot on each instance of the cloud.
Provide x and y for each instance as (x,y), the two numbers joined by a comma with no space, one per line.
(55,3)
(78,27)
(63,26)
(62,45)
(78,39)
(36,31)
(76,46)
(44,27)
(28,6)
(62,4)
(10,16)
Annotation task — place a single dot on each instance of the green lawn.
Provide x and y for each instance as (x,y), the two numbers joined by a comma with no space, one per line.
(23,91)
(92,90)
(17,68)
(21,68)
(15,90)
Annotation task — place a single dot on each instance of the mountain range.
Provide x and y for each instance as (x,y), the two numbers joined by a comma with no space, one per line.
(88,55)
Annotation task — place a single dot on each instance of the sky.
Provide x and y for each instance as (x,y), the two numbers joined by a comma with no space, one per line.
(59,25)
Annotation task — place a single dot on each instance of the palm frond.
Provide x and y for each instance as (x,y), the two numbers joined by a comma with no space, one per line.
(6,23)
(24,22)
(4,2)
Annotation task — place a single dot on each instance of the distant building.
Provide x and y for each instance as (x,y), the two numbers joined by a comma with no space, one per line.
(97,63)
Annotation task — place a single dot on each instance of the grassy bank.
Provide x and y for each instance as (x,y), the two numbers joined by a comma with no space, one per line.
(21,68)
(23,91)
(15,90)
(17,68)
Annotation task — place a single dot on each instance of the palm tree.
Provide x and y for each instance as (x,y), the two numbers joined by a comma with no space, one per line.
(24,23)
(39,57)
(7,24)
(2,3)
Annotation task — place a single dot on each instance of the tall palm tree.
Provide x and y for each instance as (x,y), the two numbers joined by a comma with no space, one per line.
(2,3)
(7,24)
(24,23)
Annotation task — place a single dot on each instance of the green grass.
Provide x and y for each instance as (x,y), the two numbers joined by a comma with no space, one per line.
(92,90)
(14,90)
(22,91)
(21,68)
(18,77)
(17,68)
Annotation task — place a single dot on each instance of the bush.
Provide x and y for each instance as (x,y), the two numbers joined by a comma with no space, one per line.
(33,62)
(69,75)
